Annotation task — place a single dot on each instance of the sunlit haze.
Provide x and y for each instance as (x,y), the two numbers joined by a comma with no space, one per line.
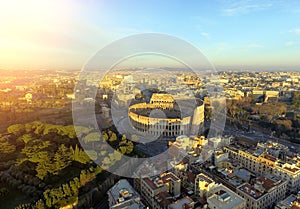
(149,104)
(64,34)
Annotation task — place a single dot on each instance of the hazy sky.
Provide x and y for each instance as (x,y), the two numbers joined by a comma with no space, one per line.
(59,34)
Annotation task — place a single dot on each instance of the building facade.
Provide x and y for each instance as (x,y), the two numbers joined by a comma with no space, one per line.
(204,185)
(151,189)
(263,193)
(261,163)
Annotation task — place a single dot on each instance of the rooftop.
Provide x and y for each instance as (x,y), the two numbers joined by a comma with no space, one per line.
(123,195)
(261,186)
(179,204)
(225,198)
(249,189)
(203,177)
(268,183)
(157,182)
(287,202)
(122,189)
(289,163)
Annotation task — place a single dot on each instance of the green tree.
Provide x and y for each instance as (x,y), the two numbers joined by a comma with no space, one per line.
(43,168)
(35,146)
(38,127)
(92,154)
(39,157)
(104,135)
(67,190)
(113,137)
(40,204)
(106,161)
(117,155)
(47,197)
(7,148)
(79,155)
(17,129)
(85,177)
(81,130)
(296,99)
(103,153)
(28,127)
(74,185)
(122,149)
(49,128)
(92,137)
(129,147)
(66,131)
(62,159)
(26,138)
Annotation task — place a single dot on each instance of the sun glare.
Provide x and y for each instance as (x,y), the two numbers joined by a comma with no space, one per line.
(32,25)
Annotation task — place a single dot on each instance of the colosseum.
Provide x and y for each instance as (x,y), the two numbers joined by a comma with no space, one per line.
(164,116)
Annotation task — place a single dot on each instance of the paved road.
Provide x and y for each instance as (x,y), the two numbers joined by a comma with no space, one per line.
(258,136)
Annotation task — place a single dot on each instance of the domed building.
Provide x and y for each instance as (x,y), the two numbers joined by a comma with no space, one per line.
(162,115)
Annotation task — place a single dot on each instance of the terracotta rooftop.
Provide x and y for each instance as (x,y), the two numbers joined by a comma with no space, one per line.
(182,203)
(166,176)
(203,177)
(150,183)
(270,157)
(231,175)
(266,182)
(248,189)
(162,179)
(291,169)
(191,176)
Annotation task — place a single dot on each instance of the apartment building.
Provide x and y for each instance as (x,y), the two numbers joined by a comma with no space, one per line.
(263,192)
(122,195)
(261,162)
(204,185)
(160,188)
(224,198)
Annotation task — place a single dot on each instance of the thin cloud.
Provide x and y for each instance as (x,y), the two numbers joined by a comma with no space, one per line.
(244,7)
(290,43)
(220,47)
(295,31)
(205,35)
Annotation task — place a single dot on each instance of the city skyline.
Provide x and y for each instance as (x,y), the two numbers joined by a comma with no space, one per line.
(179,139)
(232,34)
